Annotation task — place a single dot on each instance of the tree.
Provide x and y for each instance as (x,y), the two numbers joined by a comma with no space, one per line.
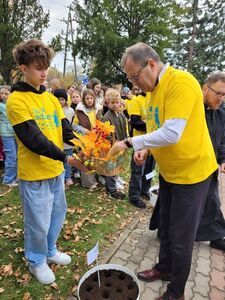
(200,42)
(19,20)
(107,27)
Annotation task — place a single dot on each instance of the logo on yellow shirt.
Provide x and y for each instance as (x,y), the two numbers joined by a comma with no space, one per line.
(46,120)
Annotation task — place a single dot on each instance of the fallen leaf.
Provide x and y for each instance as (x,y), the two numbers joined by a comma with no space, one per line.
(1,290)
(6,270)
(27,296)
(54,286)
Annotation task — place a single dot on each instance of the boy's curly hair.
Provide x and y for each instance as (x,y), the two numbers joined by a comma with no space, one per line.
(32,51)
(112,94)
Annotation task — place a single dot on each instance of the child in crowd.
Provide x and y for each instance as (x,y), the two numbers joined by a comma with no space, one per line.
(87,112)
(9,141)
(75,99)
(95,85)
(2,157)
(116,118)
(41,127)
(69,113)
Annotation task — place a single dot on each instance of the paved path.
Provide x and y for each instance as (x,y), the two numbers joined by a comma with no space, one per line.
(137,249)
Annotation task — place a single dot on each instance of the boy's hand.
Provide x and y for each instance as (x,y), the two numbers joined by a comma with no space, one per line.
(140,156)
(74,162)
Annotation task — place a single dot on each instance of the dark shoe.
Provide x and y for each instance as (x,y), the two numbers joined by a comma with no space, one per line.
(152,275)
(218,244)
(145,195)
(165,296)
(117,195)
(138,203)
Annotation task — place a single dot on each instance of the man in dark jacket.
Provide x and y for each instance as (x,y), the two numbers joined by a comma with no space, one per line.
(212,224)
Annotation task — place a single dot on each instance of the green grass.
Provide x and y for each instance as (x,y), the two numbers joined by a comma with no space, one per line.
(91,217)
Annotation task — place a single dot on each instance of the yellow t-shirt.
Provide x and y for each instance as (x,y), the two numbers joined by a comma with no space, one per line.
(46,111)
(128,105)
(138,107)
(69,101)
(192,159)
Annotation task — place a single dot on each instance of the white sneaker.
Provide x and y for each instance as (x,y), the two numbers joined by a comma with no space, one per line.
(76,175)
(60,259)
(42,273)
(101,180)
(121,181)
(119,186)
(13,184)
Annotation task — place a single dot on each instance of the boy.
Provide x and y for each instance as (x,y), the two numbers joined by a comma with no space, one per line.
(41,128)
(116,118)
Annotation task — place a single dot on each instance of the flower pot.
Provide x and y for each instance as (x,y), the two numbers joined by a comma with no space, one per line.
(117,283)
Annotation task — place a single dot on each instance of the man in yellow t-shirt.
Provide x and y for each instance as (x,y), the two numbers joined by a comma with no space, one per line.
(179,140)
(41,127)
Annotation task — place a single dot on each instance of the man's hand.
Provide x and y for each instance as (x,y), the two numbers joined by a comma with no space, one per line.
(140,156)
(74,162)
(222,168)
(120,145)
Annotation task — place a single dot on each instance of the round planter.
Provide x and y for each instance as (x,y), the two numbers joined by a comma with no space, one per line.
(109,267)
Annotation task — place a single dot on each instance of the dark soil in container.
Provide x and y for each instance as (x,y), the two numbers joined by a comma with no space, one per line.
(115,285)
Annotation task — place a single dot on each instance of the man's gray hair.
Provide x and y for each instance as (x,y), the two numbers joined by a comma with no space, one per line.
(140,53)
(215,76)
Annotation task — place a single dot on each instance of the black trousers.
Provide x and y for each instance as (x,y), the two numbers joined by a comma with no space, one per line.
(138,183)
(181,207)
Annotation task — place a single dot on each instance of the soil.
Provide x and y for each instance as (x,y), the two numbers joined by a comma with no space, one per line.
(115,285)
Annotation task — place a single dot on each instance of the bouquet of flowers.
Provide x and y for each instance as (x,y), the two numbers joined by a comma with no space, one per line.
(97,150)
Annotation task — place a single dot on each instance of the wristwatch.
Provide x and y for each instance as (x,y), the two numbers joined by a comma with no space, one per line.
(128,142)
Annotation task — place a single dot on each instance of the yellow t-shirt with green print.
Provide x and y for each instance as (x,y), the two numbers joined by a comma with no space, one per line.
(192,159)
(46,111)
(138,107)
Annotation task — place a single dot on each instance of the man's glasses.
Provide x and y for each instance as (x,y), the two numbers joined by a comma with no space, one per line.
(219,94)
(136,75)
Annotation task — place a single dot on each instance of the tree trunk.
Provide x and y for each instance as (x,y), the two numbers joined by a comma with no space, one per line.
(193,35)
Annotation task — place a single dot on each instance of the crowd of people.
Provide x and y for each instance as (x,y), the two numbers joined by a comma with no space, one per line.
(166,117)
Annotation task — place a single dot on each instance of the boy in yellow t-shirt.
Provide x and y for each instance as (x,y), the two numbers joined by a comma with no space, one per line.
(41,128)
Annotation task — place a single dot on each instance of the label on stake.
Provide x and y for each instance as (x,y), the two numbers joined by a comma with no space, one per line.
(93,254)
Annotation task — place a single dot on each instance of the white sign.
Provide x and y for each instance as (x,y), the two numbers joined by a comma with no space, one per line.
(150,175)
(92,254)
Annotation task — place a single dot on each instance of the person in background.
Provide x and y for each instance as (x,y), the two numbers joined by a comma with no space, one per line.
(2,156)
(135,90)
(139,186)
(55,84)
(75,99)
(70,90)
(95,85)
(117,119)
(212,223)
(178,138)
(87,112)
(69,114)
(40,127)
(124,92)
(9,141)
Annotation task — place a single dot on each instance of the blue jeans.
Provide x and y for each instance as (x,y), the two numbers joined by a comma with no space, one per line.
(44,209)
(10,149)
(68,168)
